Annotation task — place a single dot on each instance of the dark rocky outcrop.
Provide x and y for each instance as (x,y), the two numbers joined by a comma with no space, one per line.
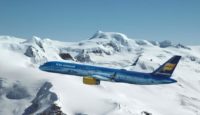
(30,51)
(2,88)
(145,113)
(83,57)
(66,56)
(36,55)
(182,46)
(43,100)
(52,110)
(165,44)
(17,92)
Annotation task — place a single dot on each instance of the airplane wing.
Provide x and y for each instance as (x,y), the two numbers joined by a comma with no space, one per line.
(94,79)
(99,77)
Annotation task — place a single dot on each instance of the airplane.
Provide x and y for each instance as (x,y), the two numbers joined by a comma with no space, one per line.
(92,75)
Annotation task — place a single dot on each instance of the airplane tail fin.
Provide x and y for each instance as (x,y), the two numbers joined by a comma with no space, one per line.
(168,67)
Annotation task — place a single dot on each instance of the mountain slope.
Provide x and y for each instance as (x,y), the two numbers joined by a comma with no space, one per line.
(20,78)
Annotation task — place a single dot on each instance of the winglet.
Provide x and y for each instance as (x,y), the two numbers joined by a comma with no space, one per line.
(167,69)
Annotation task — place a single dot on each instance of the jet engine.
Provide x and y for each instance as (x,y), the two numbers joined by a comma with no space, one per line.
(91,81)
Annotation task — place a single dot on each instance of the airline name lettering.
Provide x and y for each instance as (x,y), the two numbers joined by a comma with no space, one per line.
(65,65)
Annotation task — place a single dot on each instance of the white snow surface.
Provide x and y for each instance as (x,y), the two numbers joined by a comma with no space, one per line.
(20,78)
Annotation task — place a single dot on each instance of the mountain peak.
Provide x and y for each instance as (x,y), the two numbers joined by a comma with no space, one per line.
(109,35)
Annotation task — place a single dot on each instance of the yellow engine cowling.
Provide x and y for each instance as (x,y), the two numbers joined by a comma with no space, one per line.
(91,81)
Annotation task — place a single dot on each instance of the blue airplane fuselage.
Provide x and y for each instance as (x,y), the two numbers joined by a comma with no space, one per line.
(110,74)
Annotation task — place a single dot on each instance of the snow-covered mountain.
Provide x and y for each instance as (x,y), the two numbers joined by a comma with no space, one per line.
(24,89)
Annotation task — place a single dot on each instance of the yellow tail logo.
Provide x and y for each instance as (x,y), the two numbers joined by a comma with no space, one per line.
(169,67)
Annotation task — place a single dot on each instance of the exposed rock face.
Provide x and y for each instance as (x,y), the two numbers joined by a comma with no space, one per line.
(31,51)
(165,44)
(14,91)
(2,88)
(155,43)
(42,101)
(66,56)
(141,42)
(145,113)
(35,41)
(52,110)
(36,55)
(83,57)
(192,58)
(35,50)
(17,92)
(182,46)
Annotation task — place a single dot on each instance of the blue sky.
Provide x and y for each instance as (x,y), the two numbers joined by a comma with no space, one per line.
(74,20)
